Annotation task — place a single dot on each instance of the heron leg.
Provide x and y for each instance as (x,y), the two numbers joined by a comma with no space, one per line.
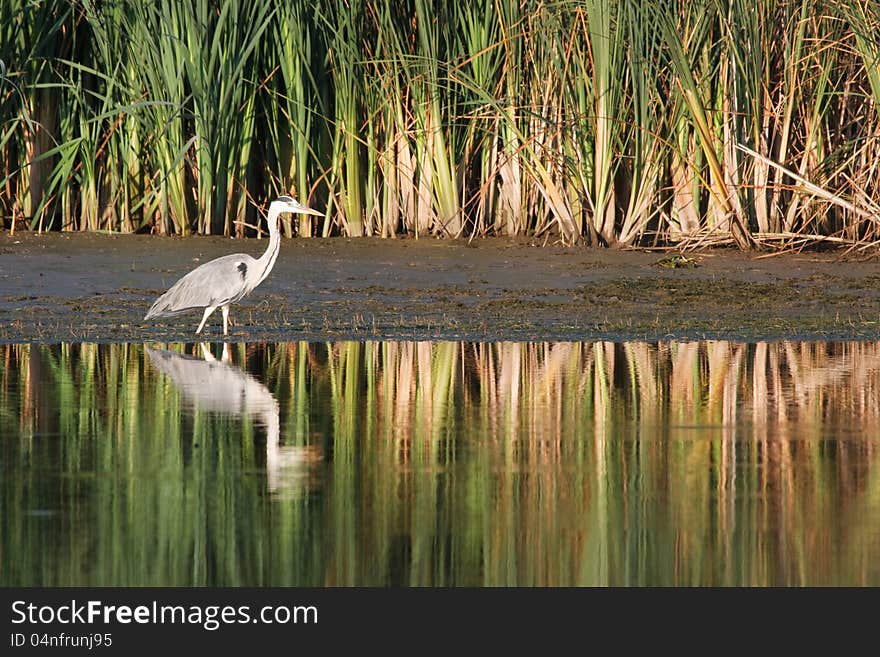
(207,314)
(206,352)
(225,310)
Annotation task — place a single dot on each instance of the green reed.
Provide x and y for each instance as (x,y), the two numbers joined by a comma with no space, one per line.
(292,107)
(605,121)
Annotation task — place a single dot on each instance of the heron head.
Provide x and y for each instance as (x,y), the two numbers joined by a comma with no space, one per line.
(288,204)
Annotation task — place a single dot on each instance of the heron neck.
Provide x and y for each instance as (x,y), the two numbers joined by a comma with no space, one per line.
(267,260)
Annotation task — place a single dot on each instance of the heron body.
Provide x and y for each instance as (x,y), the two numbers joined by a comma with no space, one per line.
(225,280)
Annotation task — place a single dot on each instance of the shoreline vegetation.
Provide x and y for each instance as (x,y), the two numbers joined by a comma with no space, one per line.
(619,123)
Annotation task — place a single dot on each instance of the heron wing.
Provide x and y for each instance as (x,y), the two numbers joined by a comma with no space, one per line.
(219,282)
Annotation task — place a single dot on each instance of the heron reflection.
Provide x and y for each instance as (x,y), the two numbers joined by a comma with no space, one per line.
(218,386)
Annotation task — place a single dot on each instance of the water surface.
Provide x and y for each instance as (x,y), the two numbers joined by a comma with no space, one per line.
(447,463)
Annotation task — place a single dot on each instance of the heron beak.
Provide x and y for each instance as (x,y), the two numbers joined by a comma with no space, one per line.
(306,210)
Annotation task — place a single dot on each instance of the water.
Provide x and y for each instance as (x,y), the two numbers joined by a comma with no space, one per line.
(404,463)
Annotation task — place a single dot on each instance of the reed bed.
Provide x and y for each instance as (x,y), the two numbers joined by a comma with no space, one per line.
(686,463)
(614,122)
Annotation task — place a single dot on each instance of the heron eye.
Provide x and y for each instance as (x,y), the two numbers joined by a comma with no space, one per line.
(242,268)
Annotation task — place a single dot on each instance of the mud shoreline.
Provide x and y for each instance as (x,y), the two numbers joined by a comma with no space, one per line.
(97,288)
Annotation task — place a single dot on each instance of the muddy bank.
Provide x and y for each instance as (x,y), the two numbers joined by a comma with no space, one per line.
(74,287)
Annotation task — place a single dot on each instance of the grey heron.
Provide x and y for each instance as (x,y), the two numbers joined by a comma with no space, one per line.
(225,280)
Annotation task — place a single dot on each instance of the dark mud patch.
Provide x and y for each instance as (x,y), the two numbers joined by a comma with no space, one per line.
(62,287)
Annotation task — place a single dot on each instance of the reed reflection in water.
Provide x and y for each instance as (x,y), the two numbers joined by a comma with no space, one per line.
(418,463)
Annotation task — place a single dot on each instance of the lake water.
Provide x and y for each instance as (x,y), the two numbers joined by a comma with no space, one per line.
(425,464)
